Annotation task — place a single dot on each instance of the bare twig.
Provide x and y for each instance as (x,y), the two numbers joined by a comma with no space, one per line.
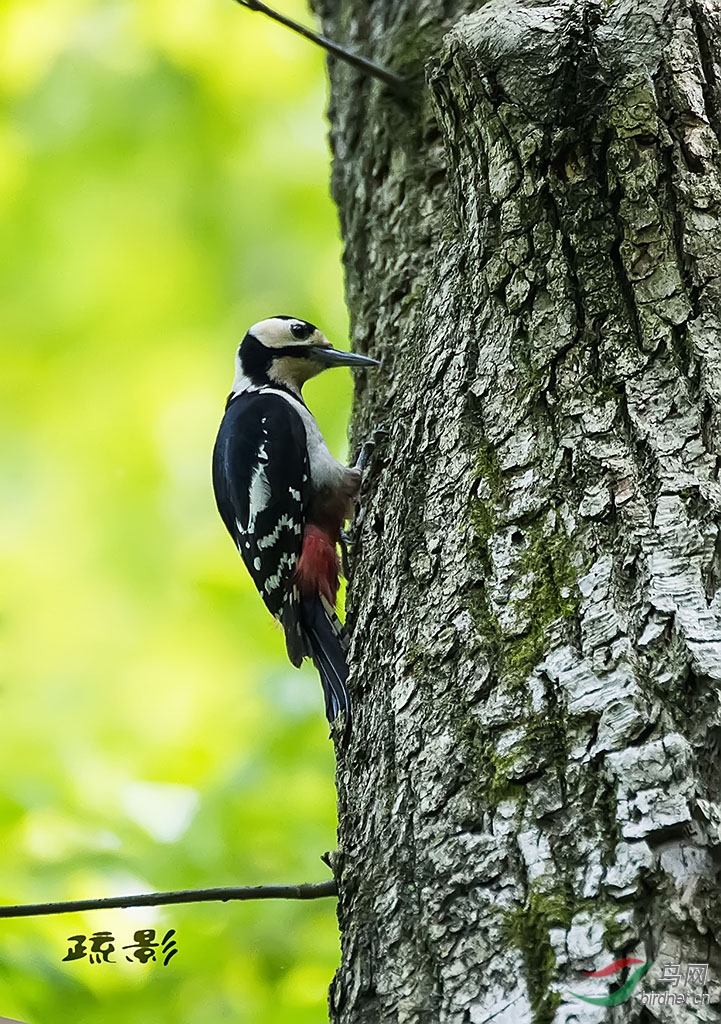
(305,891)
(361,63)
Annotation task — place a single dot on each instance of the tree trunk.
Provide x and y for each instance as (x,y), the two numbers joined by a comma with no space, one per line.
(532,246)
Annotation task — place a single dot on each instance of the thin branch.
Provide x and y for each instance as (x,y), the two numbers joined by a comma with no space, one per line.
(361,63)
(305,891)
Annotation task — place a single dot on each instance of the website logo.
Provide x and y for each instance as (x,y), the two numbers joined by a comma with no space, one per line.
(625,991)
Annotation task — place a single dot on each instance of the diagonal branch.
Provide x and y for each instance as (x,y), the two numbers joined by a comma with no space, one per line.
(364,65)
(304,891)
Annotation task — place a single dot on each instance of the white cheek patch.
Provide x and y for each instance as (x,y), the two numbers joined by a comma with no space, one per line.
(292,373)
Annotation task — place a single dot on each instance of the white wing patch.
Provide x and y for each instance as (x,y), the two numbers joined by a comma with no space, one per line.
(258,496)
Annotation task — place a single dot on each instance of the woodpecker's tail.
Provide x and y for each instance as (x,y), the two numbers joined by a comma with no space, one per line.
(328,643)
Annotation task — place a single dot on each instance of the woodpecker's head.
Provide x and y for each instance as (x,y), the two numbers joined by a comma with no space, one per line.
(285,350)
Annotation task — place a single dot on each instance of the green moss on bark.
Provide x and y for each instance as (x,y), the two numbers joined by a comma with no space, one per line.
(541,746)
(488,467)
(482,524)
(527,929)
(553,594)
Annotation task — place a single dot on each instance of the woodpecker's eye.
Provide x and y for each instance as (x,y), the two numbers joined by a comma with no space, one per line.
(301,331)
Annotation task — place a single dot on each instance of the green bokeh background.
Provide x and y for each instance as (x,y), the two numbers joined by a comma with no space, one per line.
(163,184)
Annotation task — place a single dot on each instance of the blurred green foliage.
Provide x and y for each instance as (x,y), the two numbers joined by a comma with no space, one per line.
(163,184)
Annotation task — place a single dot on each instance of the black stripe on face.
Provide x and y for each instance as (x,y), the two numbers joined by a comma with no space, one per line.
(254,357)
(296,351)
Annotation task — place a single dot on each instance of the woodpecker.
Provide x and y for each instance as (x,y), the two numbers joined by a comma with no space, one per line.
(282,495)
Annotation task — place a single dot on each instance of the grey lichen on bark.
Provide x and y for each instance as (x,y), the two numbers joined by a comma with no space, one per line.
(533,249)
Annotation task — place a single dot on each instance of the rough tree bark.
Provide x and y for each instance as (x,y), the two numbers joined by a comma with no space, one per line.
(533,249)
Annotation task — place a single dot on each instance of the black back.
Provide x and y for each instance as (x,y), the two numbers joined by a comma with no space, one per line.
(264,515)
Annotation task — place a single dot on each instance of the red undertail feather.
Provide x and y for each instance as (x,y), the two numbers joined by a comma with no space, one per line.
(318,566)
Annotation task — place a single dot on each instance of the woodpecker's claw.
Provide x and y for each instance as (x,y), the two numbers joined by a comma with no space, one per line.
(361,468)
(368,447)
(364,455)
(345,541)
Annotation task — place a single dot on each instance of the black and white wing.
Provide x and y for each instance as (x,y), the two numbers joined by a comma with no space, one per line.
(261,480)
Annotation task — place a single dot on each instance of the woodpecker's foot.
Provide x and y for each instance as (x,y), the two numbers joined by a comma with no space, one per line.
(346,542)
(364,455)
(368,447)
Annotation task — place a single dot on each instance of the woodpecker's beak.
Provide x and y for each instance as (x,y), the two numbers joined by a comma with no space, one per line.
(334,357)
